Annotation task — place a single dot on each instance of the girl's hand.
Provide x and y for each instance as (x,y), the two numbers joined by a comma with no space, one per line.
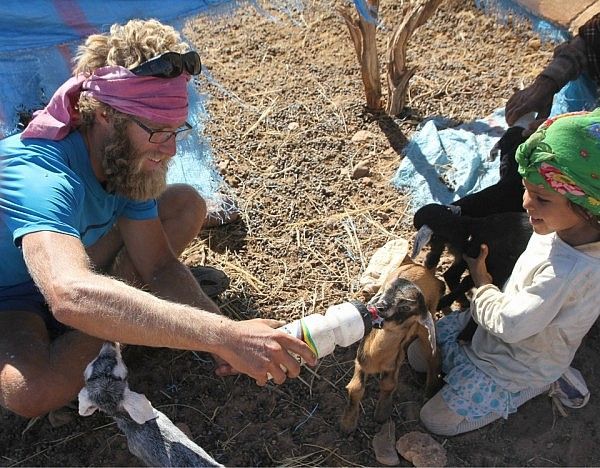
(477,267)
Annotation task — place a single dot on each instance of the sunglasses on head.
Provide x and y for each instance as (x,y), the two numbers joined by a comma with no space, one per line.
(170,65)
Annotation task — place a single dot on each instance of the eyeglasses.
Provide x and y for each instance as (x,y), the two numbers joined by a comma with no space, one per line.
(170,65)
(162,136)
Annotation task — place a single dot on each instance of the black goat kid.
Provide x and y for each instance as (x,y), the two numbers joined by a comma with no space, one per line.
(506,235)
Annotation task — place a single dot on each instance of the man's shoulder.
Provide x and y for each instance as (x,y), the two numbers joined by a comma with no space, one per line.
(37,151)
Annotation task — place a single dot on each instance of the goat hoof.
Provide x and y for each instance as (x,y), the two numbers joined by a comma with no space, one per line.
(348,423)
(383,410)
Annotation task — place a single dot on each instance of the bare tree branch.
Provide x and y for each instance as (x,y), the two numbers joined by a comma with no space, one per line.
(362,33)
(398,75)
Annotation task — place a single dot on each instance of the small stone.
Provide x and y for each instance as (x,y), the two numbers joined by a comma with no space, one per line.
(383,445)
(183,427)
(421,449)
(535,43)
(223,165)
(60,417)
(362,135)
(361,170)
(293,126)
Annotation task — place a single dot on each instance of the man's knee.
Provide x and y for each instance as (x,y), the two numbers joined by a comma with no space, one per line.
(31,382)
(185,203)
(25,397)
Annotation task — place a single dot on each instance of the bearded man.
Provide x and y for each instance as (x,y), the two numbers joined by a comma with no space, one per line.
(90,233)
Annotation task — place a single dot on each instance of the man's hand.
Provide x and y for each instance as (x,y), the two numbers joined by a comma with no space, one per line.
(256,348)
(477,267)
(535,98)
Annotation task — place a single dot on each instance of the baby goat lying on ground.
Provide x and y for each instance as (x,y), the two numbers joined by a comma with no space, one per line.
(151,436)
(405,302)
(506,235)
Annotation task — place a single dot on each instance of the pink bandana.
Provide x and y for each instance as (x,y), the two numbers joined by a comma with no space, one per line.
(162,100)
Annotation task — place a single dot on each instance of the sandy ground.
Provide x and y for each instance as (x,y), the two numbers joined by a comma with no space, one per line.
(286,99)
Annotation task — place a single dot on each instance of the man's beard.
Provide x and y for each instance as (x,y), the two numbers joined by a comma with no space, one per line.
(123,170)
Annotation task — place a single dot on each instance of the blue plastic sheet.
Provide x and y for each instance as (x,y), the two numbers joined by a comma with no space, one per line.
(441,165)
(502,9)
(39,38)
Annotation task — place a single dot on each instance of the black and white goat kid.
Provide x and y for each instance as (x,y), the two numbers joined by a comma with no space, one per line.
(151,436)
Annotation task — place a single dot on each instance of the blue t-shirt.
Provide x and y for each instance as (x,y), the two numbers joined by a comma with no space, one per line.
(50,186)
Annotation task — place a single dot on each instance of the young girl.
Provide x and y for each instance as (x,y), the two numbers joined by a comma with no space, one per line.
(529,332)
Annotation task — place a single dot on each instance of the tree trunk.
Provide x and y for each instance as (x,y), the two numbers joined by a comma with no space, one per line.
(398,75)
(362,33)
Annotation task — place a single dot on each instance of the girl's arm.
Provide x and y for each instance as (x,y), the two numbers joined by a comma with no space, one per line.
(515,317)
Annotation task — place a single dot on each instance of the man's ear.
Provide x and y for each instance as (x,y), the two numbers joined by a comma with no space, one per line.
(86,406)
(102,117)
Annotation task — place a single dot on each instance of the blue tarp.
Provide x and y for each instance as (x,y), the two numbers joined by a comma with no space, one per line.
(38,39)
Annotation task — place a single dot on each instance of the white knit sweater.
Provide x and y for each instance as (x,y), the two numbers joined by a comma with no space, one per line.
(529,333)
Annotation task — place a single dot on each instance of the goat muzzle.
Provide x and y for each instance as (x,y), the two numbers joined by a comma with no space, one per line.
(376,319)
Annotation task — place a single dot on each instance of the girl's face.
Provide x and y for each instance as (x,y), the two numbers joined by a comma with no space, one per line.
(549,211)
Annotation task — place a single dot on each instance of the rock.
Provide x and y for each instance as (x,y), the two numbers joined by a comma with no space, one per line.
(183,427)
(293,126)
(61,417)
(535,43)
(383,445)
(421,449)
(223,165)
(362,169)
(362,135)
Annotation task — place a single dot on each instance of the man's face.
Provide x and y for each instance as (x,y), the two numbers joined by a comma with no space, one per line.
(134,167)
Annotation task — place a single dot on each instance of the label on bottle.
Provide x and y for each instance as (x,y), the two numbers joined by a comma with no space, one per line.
(307,338)
(347,322)
(315,330)
(298,329)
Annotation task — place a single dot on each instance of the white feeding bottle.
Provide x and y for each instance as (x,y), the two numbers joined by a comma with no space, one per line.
(341,325)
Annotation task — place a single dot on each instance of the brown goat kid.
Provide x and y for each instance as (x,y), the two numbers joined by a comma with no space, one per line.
(406,301)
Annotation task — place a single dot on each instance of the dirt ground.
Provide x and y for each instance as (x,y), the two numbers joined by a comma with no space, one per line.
(286,100)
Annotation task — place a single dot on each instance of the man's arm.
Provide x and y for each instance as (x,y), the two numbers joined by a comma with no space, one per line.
(570,60)
(109,309)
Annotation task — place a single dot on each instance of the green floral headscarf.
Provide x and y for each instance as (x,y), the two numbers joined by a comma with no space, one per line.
(563,155)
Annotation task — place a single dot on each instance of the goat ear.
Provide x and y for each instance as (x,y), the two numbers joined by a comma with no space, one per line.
(422,238)
(138,406)
(428,323)
(86,406)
